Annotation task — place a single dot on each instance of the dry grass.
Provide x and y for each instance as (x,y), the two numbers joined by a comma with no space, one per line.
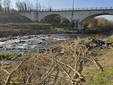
(107,59)
(61,65)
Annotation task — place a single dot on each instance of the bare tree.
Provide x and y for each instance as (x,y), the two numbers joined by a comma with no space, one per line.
(21,6)
(24,6)
(37,5)
(7,5)
(1,6)
(50,8)
(29,6)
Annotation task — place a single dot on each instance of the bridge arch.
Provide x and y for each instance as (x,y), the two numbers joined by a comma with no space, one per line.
(92,16)
(82,21)
(54,18)
(62,14)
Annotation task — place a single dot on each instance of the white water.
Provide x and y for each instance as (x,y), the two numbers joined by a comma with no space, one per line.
(30,44)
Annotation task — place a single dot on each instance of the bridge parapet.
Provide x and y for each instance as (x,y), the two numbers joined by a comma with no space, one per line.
(70,9)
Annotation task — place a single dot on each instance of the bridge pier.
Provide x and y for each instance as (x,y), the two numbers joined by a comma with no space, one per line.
(78,25)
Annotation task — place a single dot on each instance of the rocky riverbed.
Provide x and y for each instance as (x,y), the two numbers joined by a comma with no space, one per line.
(31,43)
(36,43)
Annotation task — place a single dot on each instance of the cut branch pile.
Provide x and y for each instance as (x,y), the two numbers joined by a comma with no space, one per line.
(62,66)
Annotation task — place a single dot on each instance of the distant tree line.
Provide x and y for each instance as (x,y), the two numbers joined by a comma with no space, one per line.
(28,6)
(6,6)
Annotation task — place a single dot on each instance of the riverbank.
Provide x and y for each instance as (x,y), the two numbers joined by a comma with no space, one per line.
(34,28)
(21,29)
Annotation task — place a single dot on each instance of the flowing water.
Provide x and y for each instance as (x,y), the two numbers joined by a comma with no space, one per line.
(33,43)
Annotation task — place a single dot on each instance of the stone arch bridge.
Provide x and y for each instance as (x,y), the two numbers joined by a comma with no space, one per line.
(77,15)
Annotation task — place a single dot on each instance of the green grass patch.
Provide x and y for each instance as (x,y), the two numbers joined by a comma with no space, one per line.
(104,78)
(30,55)
(35,23)
(106,50)
(16,79)
(9,56)
(110,39)
(63,29)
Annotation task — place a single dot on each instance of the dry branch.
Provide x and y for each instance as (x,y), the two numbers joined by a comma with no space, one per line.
(7,82)
(68,67)
(48,74)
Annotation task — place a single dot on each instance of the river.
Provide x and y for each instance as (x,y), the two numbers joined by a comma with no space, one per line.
(34,43)
(31,43)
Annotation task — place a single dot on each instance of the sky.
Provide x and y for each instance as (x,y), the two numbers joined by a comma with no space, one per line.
(58,4)
(77,3)
(66,4)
